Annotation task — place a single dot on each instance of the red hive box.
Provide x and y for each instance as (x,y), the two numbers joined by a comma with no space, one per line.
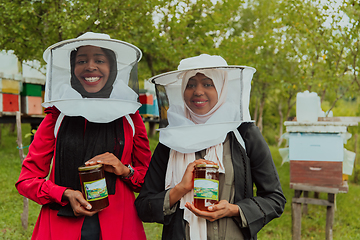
(146,98)
(316,173)
(9,103)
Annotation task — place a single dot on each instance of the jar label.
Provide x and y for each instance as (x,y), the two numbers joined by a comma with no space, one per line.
(206,189)
(95,190)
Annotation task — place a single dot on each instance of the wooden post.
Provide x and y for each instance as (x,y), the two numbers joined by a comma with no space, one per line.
(330,212)
(152,129)
(355,148)
(25,213)
(305,206)
(296,217)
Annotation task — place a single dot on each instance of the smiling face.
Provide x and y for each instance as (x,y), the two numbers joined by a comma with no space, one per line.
(92,68)
(200,94)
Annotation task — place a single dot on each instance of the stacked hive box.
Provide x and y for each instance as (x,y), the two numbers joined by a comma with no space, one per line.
(31,99)
(316,158)
(316,152)
(9,96)
(149,105)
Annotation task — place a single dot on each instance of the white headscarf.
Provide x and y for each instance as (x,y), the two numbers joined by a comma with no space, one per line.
(219,78)
(178,161)
(185,137)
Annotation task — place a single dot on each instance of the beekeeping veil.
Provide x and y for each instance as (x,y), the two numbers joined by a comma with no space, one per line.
(180,133)
(119,95)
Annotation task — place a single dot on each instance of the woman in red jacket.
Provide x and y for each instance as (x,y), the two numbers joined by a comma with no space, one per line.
(91,115)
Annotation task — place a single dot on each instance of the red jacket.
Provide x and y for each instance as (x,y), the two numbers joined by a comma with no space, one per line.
(119,220)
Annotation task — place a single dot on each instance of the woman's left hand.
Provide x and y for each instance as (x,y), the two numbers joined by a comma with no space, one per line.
(217,211)
(111,164)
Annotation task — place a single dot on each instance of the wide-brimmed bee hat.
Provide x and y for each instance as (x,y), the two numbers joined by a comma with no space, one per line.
(233,85)
(116,99)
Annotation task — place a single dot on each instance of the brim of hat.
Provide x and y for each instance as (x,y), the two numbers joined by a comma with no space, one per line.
(125,52)
(173,76)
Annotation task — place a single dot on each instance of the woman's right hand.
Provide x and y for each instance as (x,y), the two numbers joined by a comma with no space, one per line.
(79,205)
(187,181)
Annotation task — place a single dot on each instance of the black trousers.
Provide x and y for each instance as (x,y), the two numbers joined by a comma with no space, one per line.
(91,228)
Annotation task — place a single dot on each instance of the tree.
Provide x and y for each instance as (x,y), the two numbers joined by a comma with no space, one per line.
(29,27)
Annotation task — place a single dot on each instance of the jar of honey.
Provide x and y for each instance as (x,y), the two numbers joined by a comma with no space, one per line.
(93,186)
(206,186)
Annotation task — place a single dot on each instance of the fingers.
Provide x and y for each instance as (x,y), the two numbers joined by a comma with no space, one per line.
(215,212)
(79,205)
(110,162)
(105,158)
(200,161)
(203,214)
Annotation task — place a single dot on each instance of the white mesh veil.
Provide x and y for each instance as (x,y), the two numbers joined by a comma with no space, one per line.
(60,93)
(181,134)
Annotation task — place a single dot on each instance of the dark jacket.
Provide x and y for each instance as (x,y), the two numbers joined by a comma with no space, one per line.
(255,166)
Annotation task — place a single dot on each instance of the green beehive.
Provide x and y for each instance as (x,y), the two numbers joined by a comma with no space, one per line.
(30,89)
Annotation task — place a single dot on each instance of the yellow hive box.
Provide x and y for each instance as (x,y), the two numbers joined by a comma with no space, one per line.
(9,86)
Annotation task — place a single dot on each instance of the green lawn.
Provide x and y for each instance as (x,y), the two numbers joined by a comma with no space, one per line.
(347,215)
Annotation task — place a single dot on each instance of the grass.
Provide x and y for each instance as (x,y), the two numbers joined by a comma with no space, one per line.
(347,214)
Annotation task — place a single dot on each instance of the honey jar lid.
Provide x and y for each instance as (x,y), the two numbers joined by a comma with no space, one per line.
(207,165)
(87,168)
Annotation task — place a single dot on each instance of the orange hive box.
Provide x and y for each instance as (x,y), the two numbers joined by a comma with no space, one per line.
(31,105)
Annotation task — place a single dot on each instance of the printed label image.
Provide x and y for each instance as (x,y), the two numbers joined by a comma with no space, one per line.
(95,190)
(206,189)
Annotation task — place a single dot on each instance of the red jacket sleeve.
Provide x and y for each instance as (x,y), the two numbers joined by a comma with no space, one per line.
(32,182)
(140,154)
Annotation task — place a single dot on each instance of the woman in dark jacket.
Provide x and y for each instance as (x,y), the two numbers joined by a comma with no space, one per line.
(206,124)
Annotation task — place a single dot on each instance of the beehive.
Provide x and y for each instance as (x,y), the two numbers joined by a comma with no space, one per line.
(30,89)
(9,86)
(9,103)
(31,105)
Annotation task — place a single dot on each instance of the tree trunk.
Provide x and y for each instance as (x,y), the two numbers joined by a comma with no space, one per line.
(355,147)
(261,110)
(25,213)
(256,110)
(281,120)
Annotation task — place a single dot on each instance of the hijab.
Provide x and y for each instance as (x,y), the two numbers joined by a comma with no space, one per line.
(219,78)
(79,140)
(178,161)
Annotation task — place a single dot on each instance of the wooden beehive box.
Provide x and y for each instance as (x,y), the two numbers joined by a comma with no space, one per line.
(31,105)
(30,89)
(316,173)
(316,158)
(9,86)
(146,98)
(31,99)
(9,103)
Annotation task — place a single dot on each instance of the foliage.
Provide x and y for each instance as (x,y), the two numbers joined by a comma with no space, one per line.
(294,45)
(29,27)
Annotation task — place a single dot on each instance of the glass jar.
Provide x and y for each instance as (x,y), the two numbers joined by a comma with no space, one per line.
(206,186)
(93,186)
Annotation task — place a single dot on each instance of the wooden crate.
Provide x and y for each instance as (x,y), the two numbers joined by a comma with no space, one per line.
(316,173)
(9,103)
(31,105)
(9,86)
